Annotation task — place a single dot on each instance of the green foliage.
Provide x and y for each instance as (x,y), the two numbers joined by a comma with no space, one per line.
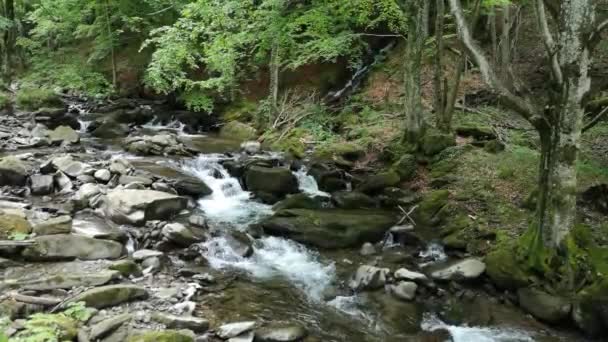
(47,328)
(18,236)
(5,100)
(34,98)
(78,311)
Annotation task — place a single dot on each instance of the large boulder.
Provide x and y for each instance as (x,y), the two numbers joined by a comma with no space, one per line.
(41,184)
(368,278)
(182,235)
(12,171)
(126,206)
(590,310)
(109,295)
(111,129)
(376,183)
(465,269)
(160,144)
(67,165)
(406,167)
(66,280)
(269,182)
(191,186)
(11,224)
(352,200)
(64,135)
(53,226)
(330,228)
(66,247)
(238,131)
(544,306)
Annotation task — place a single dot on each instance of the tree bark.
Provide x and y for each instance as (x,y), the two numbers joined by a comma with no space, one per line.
(414,129)
(9,39)
(275,63)
(440,98)
(112,47)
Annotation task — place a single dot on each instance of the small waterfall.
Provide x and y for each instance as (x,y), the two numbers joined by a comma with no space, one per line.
(173,126)
(82,111)
(230,207)
(433,253)
(308,184)
(84,126)
(478,334)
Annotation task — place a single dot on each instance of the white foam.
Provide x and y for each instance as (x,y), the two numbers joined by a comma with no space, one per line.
(84,126)
(476,334)
(307,184)
(433,253)
(173,126)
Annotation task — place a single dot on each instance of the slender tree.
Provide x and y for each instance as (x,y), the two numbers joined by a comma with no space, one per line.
(559,120)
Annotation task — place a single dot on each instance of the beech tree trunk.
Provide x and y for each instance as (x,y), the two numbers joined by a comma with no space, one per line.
(112,48)
(560,122)
(414,129)
(275,64)
(9,39)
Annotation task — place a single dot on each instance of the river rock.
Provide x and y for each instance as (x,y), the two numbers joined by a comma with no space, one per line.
(238,131)
(590,312)
(182,235)
(368,278)
(405,274)
(138,206)
(12,171)
(124,179)
(145,254)
(67,246)
(367,249)
(464,269)
(251,147)
(273,182)
(230,330)
(109,295)
(352,200)
(103,175)
(69,166)
(280,333)
(544,306)
(63,183)
(86,192)
(126,268)
(111,129)
(190,186)
(198,221)
(161,144)
(64,135)
(107,326)
(41,185)
(198,325)
(164,336)
(245,337)
(11,224)
(330,228)
(240,243)
(57,225)
(376,183)
(405,290)
(120,166)
(68,280)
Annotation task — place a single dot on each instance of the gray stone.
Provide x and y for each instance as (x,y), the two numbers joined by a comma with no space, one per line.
(109,295)
(245,337)
(197,220)
(405,290)
(124,179)
(405,274)
(67,280)
(251,147)
(63,182)
(103,175)
(138,206)
(195,324)
(12,171)
(57,225)
(41,185)
(69,166)
(64,135)
(190,186)
(120,166)
(464,269)
(367,249)
(544,306)
(62,247)
(106,327)
(182,235)
(164,187)
(280,333)
(146,253)
(369,278)
(230,330)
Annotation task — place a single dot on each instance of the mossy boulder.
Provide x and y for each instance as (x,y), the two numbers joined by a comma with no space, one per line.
(164,336)
(111,129)
(476,131)
(406,167)
(110,295)
(591,308)
(69,246)
(238,131)
(377,183)
(126,268)
(12,171)
(11,224)
(276,182)
(330,228)
(352,200)
(544,306)
(503,267)
(340,150)
(299,201)
(431,204)
(34,98)
(47,327)
(434,142)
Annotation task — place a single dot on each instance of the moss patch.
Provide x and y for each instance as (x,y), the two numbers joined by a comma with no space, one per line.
(34,98)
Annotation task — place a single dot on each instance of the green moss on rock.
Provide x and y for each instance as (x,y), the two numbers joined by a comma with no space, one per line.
(13,224)
(426,213)
(504,269)
(434,142)
(406,167)
(238,131)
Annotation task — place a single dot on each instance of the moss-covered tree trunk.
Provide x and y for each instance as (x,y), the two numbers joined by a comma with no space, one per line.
(9,39)
(414,125)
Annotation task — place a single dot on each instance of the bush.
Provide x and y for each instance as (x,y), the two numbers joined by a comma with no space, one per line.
(34,98)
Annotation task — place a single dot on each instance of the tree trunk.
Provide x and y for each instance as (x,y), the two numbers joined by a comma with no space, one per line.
(9,39)
(439,88)
(412,84)
(275,63)
(505,44)
(492,19)
(112,47)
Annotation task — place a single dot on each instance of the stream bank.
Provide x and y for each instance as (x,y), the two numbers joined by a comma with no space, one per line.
(158,223)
